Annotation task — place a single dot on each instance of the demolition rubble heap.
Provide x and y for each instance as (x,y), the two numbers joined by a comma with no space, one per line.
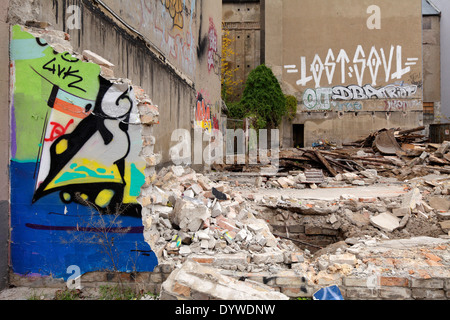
(329,217)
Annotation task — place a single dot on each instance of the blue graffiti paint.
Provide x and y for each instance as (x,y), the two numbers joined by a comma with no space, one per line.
(49,236)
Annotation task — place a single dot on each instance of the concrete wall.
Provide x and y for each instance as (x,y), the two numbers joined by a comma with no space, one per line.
(431,68)
(444,7)
(243,20)
(4,144)
(334,59)
(431,59)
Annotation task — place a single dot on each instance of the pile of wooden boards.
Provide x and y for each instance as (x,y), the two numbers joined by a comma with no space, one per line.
(390,152)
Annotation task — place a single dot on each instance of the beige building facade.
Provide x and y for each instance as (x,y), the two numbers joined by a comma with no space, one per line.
(243,21)
(355,66)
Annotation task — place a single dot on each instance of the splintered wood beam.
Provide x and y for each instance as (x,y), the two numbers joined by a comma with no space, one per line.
(411,130)
(325,163)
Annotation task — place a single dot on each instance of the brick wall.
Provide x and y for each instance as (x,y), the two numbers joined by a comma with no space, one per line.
(289,282)
(147,281)
(295,285)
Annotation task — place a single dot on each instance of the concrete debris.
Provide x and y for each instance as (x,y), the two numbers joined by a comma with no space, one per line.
(385,221)
(95,58)
(272,225)
(194,281)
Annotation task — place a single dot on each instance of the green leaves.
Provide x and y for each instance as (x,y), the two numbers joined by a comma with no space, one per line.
(263,98)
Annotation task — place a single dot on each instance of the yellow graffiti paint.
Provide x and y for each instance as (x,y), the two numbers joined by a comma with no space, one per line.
(84,196)
(67,197)
(85,171)
(62,146)
(207,125)
(104,198)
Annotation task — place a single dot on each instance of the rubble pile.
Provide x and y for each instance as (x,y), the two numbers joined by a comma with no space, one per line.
(412,161)
(236,227)
(396,153)
(187,214)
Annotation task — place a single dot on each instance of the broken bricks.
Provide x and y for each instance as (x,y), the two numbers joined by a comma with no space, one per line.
(189,216)
(232,230)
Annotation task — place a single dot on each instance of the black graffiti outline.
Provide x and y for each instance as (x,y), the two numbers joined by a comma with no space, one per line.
(75,141)
(68,73)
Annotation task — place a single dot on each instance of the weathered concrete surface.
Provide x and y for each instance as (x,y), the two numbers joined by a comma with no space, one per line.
(196,282)
(382,191)
(385,221)
(310,71)
(4,144)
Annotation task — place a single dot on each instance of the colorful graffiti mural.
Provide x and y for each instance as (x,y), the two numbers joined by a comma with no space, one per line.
(74,158)
(204,117)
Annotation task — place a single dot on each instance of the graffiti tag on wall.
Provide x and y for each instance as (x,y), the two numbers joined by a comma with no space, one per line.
(212,34)
(322,98)
(342,66)
(170,24)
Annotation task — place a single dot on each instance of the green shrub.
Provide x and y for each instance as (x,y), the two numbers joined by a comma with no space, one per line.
(263,98)
(291,107)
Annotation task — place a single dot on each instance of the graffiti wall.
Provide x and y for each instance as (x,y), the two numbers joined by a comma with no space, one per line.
(360,61)
(171,25)
(347,58)
(75,166)
(206,116)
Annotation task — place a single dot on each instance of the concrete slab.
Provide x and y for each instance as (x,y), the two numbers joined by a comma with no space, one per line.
(330,194)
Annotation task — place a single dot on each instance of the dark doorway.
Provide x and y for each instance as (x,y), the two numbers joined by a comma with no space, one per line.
(298,135)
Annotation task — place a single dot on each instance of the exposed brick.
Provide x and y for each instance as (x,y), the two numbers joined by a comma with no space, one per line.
(432,257)
(290,281)
(203,260)
(434,263)
(94,277)
(156,278)
(447,284)
(428,294)
(181,290)
(298,292)
(361,293)
(225,223)
(355,282)
(142,277)
(394,282)
(427,283)
(367,199)
(394,293)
